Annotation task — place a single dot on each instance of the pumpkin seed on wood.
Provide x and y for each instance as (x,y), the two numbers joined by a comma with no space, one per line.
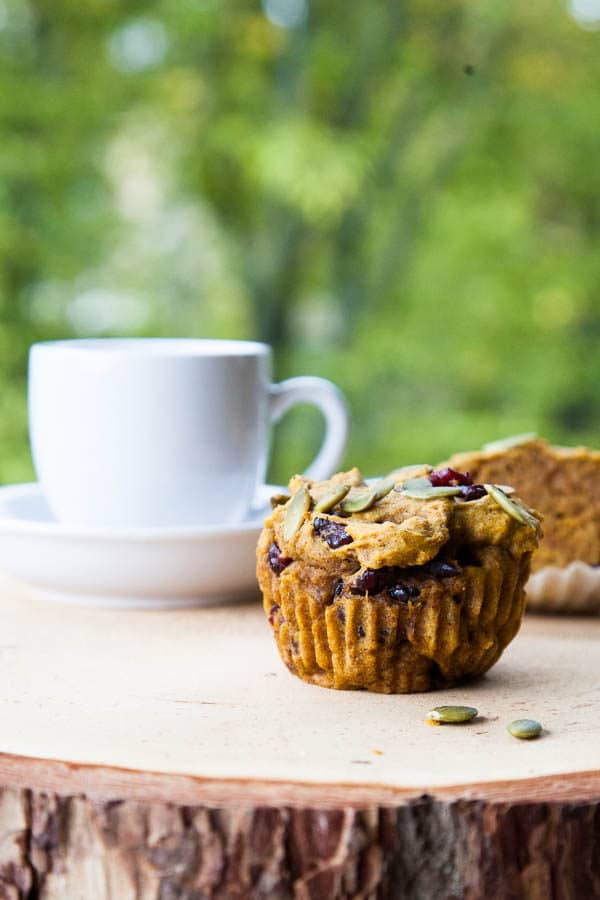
(297,509)
(452,715)
(525,729)
(512,507)
(331,497)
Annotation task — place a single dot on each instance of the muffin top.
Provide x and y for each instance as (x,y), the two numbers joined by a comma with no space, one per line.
(404,520)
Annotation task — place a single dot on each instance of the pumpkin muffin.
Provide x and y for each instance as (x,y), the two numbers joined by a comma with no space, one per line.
(410,584)
(564,485)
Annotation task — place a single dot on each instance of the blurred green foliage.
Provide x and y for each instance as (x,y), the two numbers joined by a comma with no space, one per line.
(403,197)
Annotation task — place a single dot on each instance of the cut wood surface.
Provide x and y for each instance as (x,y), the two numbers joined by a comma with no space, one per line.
(202,693)
(170,754)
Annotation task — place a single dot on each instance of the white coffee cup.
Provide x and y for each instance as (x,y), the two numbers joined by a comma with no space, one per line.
(163,432)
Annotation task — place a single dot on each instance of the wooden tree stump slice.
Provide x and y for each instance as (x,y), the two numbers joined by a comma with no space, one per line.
(169,754)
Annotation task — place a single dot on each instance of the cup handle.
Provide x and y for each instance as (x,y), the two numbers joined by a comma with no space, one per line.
(329,399)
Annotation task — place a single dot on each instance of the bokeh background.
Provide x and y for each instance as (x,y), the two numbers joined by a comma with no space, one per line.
(403,197)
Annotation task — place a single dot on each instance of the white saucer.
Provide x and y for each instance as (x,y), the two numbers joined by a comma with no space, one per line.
(152,567)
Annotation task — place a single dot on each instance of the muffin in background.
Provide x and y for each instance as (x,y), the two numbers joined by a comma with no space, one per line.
(563,483)
(410,584)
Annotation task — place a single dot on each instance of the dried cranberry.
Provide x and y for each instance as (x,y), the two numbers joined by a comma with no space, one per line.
(334,534)
(402,593)
(341,615)
(473,492)
(449,478)
(372,581)
(437,568)
(276,560)
(272,613)
(361,631)
(382,636)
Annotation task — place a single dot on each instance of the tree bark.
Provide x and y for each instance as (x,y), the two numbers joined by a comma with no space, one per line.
(55,847)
